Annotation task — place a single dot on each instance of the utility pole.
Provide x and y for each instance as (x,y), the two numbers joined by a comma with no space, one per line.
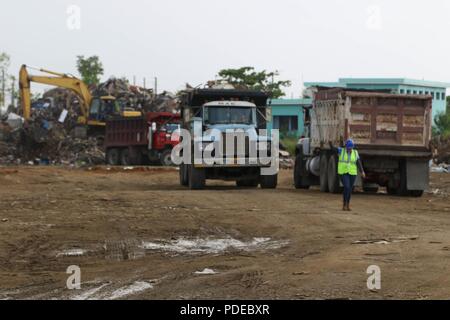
(156,85)
(13,91)
(3,87)
(144,83)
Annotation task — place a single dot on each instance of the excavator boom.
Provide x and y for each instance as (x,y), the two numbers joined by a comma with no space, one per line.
(58,80)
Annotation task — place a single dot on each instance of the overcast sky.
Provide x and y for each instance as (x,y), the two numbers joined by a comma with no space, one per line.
(183,41)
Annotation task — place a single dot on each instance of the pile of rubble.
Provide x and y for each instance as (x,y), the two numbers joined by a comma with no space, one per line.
(46,140)
(441,150)
(132,97)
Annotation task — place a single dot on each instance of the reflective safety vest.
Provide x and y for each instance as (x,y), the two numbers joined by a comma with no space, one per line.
(347,164)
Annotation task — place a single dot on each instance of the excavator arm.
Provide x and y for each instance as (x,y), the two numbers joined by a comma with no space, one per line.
(58,80)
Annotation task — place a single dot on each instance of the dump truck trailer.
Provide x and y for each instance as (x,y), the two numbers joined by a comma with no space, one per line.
(139,140)
(392,134)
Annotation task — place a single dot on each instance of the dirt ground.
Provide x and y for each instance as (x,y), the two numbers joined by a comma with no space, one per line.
(137,234)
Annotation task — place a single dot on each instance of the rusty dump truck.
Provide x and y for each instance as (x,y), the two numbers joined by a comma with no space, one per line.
(392,133)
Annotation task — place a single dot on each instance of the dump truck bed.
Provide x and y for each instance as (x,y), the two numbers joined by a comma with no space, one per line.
(379,123)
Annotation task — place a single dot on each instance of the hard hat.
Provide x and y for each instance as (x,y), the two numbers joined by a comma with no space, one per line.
(349,144)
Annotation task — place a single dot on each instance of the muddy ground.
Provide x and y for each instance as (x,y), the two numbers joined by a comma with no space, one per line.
(136,234)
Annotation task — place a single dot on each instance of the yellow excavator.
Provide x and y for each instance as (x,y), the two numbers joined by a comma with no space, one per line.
(94,110)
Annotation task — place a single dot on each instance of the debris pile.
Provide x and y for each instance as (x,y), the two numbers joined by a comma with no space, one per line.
(47,138)
(441,150)
(131,97)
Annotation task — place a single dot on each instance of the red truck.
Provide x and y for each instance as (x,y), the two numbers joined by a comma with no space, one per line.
(127,139)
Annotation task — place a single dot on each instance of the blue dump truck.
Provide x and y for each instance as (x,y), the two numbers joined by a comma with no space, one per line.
(226,123)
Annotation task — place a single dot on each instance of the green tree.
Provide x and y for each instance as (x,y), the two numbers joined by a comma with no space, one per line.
(442,125)
(448,104)
(90,69)
(247,77)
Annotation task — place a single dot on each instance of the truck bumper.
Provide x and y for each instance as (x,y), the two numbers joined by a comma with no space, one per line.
(233,163)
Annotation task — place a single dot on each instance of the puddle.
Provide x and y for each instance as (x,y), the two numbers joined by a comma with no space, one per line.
(136,287)
(71,253)
(133,249)
(89,294)
(193,246)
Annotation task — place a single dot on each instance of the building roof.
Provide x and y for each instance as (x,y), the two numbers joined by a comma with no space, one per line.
(381,81)
(290,102)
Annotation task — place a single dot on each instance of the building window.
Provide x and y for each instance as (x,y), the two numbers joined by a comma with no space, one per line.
(427,92)
(285,124)
(402,91)
(408,91)
(414,92)
(432,94)
(443,95)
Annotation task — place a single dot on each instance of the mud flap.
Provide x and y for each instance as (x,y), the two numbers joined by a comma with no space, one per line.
(418,176)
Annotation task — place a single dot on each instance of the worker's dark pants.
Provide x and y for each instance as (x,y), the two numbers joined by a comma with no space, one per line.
(348,181)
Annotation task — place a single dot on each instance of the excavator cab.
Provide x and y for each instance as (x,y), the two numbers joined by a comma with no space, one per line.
(101,108)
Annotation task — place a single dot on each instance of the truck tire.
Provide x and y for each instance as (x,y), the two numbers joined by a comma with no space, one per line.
(416,193)
(324,173)
(112,156)
(370,189)
(184,179)
(250,183)
(125,159)
(196,178)
(391,191)
(403,190)
(166,158)
(269,182)
(298,169)
(333,177)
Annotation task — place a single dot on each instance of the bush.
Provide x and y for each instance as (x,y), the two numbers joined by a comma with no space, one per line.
(442,125)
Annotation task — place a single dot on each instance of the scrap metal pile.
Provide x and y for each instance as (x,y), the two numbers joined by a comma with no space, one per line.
(48,137)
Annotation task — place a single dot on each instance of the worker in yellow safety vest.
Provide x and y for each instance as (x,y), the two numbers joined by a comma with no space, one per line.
(348,165)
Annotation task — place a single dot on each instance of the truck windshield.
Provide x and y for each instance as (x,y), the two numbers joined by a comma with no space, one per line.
(171,127)
(228,115)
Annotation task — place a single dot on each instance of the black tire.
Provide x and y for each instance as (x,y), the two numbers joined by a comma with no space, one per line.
(197,178)
(324,173)
(298,169)
(392,191)
(333,177)
(125,159)
(269,182)
(112,157)
(166,158)
(403,189)
(370,189)
(184,179)
(249,183)
(416,193)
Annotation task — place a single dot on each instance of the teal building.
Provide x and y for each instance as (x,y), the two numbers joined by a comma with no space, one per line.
(288,116)
(396,85)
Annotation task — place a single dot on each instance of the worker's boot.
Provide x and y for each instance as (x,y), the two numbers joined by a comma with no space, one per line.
(344,207)
(348,207)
